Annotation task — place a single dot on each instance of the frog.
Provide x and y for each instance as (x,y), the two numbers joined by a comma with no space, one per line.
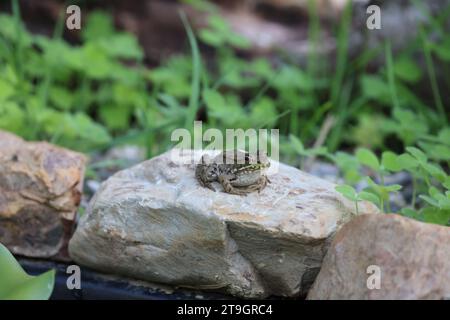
(239,172)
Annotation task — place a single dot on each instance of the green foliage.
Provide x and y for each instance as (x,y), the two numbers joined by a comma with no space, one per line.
(300,149)
(99,94)
(350,193)
(15,284)
(430,182)
(219,34)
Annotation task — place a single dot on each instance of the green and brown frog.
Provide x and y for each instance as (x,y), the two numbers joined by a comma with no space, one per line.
(238,172)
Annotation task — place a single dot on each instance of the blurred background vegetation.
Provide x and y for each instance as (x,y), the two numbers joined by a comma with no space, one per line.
(337,91)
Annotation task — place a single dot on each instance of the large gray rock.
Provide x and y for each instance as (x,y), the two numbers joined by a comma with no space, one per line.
(154,222)
(413,260)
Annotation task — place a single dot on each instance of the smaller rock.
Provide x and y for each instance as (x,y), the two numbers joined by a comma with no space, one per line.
(92,185)
(411,258)
(40,189)
(327,171)
(130,154)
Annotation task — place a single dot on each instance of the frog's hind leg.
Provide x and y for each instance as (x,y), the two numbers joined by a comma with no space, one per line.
(260,185)
(225,181)
(207,185)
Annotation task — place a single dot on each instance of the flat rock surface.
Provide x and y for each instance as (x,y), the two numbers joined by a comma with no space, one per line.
(40,189)
(413,261)
(155,222)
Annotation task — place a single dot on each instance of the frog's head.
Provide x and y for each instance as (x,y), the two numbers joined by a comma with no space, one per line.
(209,171)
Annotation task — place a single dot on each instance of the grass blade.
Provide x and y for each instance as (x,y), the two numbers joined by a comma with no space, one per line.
(194,99)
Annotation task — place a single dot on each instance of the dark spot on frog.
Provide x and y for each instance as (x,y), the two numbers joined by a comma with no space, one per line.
(15,158)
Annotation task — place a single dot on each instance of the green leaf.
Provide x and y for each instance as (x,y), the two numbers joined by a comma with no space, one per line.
(15,284)
(368,158)
(320,151)
(12,117)
(442,50)
(294,78)
(369,130)
(87,129)
(297,144)
(410,213)
(368,196)
(201,5)
(347,191)
(218,23)
(263,112)
(437,216)
(433,191)
(99,24)
(407,162)
(430,200)
(407,70)
(262,68)
(115,117)
(121,45)
(9,30)
(211,38)
(375,88)
(418,154)
(446,183)
(390,162)
(213,99)
(6,90)
(444,136)
(435,171)
(379,190)
(238,41)
(392,188)
(100,64)
(436,151)
(407,125)
(62,98)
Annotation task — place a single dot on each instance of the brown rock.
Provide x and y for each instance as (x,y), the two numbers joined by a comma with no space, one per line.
(40,189)
(413,260)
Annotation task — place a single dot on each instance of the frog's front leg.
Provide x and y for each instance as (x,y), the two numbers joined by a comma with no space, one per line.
(262,183)
(201,174)
(203,182)
(226,182)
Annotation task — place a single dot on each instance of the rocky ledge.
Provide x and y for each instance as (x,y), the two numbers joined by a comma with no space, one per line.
(155,222)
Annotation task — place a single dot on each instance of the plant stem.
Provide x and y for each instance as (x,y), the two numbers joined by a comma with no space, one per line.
(432,75)
(413,200)
(391,76)
(196,70)
(19,45)
(388,200)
